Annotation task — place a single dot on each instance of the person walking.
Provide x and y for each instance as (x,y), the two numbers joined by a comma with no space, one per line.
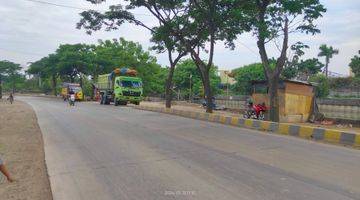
(4,171)
(11,98)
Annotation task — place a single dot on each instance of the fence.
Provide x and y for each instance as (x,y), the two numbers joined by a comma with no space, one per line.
(345,92)
(340,108)
(346,109)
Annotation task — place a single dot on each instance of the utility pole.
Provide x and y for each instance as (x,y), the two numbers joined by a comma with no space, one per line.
(39,77)
(190,93)
(227,86)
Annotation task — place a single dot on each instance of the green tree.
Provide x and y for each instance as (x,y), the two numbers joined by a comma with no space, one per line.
(163,11)
(355,65)
(303,69)
(15,82)
(328,53)
(202,25)
(46,67)
(74,61)
(274,20)
(291,65)
(187,79)
(8,70)
(122,53)
(184,26)
(322,88)
(244,77)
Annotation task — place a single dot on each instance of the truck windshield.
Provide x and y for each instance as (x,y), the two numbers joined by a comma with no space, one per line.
(75,89)
(134,84)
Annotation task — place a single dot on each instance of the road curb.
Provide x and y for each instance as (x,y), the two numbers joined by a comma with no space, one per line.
(305,132)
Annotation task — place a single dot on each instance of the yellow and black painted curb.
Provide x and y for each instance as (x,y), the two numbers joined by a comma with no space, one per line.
(306,132)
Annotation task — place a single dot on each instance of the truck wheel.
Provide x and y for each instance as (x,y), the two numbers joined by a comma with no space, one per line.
(102,99)
(106,100)
(123,103)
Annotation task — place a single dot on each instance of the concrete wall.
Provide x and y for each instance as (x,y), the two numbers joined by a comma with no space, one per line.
(347,109)
(340,108)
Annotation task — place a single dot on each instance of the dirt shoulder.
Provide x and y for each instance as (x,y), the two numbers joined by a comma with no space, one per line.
(21,148)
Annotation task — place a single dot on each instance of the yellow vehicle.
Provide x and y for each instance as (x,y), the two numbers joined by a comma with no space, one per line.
(75,87)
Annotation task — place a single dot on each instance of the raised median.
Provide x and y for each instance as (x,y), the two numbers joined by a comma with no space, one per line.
(350,139)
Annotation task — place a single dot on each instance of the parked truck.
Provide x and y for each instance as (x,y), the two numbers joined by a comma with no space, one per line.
(121,86)
(75,87)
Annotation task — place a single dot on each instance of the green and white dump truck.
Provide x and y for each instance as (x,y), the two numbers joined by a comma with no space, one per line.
(120,86)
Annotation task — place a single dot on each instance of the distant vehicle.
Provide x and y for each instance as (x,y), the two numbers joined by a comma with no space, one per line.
(120,86)
(75,87)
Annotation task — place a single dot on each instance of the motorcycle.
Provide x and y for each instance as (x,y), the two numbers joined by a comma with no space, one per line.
(72,100)
(255,111)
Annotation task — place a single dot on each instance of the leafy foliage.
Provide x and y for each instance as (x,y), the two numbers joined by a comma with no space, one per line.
(187,68)
(303,69)
(328,53)
(322,88)
(355,65)
(275,20)
(77,62)
(10,74)
(245,75)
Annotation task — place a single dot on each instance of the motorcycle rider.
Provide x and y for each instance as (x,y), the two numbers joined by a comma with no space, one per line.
(71,97)
(250,104)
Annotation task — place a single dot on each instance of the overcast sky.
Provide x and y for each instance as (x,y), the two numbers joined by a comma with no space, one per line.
(30,31)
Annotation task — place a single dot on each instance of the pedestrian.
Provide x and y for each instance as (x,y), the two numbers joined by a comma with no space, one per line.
(11,98)
(5,171)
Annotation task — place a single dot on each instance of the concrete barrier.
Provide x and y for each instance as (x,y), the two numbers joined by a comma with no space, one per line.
(305,132)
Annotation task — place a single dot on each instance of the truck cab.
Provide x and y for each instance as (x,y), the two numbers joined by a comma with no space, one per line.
(127,89)
(67,87)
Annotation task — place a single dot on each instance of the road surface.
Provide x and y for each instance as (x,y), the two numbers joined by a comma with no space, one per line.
(107,152)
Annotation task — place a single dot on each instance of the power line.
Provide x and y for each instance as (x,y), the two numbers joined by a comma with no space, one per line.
(71,7)
(21,52)
(252,51)
(55,4)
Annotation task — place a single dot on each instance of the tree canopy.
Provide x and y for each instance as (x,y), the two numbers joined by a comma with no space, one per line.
(245,75)
(9,72)
(355,65)
(273,21)
(327,52)
(186,73)
(184,26)
(75,62)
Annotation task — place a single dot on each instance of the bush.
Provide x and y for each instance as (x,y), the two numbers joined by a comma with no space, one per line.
(341,82)
(322,88)
(245,75)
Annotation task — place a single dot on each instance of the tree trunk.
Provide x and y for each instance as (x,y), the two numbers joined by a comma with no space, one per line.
(81,85)
(327,67)
(13,85)
(0,87)
(273,84)
(54,84)
(208,93)
(168,86)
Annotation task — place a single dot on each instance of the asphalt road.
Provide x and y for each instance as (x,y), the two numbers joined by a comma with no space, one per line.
(107,152)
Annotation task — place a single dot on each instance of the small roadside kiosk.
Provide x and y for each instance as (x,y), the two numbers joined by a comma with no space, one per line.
(295,99)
